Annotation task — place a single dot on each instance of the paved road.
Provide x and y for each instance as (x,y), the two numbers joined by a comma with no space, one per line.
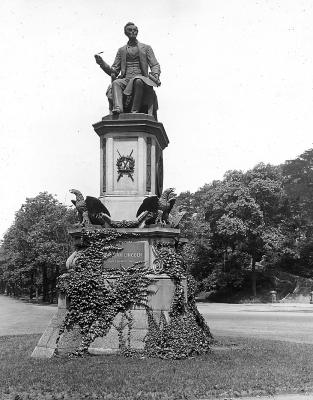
(17,317)
(289,322)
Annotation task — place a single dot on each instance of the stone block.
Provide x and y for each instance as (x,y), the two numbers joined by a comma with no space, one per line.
(140,320)
(42,352)
(45,337)
(99,351)
(52,342)
(137,338)
(163,289)
(47,343)
(62,301)
(109,342)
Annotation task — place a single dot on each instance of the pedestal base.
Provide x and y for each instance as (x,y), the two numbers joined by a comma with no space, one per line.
(140,247)
(130,329)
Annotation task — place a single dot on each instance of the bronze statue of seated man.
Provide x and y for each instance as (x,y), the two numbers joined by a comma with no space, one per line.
(132,83)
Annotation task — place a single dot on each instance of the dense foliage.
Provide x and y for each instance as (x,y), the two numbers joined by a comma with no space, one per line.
(35,248)
(259,220)
(298,183)
(96,299)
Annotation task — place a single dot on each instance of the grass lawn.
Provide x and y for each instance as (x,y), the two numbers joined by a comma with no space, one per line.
(234,367)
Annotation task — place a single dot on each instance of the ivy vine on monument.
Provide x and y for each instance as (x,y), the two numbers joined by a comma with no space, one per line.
(96,299)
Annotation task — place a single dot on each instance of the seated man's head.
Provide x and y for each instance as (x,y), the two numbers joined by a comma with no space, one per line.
(131,30)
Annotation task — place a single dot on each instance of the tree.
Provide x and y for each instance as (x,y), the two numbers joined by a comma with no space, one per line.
(36,246)
(247,213)
(298,184)
(198,253)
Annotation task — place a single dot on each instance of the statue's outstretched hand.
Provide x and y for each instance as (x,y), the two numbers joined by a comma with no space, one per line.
(103,65)
(98,59)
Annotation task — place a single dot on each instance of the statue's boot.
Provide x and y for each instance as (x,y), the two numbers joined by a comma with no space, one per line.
(117,98)
(138,95)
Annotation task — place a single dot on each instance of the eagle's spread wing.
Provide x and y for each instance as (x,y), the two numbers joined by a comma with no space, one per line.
(149,204)
(94,206)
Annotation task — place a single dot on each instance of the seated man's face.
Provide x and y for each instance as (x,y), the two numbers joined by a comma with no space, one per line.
(132,31)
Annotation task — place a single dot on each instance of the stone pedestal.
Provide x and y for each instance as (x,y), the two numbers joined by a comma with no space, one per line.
(160,301)
(138,248)
(131,168)
(131,162)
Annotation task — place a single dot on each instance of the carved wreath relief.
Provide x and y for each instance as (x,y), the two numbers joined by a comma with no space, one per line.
(125,166)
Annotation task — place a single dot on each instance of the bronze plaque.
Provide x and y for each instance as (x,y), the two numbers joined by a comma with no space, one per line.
(132,252)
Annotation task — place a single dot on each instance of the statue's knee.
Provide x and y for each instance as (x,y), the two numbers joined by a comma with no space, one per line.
(138,83)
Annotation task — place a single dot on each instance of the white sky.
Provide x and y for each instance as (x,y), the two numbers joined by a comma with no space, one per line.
(237,88)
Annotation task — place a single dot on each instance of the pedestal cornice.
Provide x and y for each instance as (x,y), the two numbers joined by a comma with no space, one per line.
(132,123)
(154,231)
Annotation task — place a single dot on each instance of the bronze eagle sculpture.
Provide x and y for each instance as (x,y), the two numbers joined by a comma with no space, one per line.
(90,210)
(158,208)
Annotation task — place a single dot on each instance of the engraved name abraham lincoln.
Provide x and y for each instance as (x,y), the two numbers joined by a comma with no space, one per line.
(132,83)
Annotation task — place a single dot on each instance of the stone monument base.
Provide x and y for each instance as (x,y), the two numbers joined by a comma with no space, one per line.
(128,329)
(131,328)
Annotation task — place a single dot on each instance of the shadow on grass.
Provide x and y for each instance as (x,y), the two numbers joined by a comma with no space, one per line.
(234,367)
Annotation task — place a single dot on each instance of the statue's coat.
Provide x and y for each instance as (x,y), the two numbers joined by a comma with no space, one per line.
(146,59)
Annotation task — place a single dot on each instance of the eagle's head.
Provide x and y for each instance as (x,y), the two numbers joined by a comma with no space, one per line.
(77,193)
(74,191)
(169,194)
